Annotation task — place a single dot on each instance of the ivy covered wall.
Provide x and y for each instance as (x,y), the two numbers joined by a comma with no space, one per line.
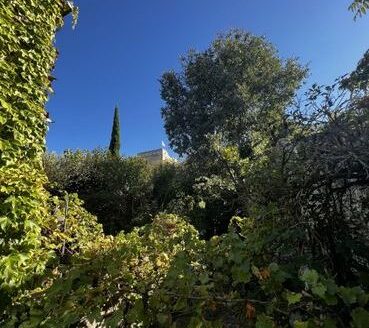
(27,56)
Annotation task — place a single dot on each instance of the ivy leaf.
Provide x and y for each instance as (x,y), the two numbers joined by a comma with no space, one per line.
(363,299)
(273,267)
(330,299)
(329,323)
(241,274)
(319,290)
(310,277)
(301,324)
(115,319)
(331,286)
(163,319)
(137,312)
(204,278)
(263,321)
(4,221)
(180,305)
(293,298)
(360,318)
(348,295)
(202,204)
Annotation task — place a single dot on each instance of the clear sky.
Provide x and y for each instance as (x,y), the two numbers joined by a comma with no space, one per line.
(120,48)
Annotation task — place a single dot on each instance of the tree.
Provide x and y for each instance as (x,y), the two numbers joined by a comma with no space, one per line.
(358,80)
(237,86)
(114,146)
(359,7)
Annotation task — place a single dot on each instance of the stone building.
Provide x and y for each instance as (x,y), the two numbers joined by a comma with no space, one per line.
(156,156)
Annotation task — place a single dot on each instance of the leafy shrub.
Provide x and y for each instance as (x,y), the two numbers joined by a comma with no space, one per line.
(163,275)
(117,190)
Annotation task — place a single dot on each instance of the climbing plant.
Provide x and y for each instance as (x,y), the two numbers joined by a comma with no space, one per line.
(27,56)
(163,275)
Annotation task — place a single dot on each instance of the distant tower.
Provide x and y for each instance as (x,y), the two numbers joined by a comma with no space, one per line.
(114,146)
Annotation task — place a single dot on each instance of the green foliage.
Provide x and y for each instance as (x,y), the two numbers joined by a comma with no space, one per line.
(70,229)
(360,318)
(114,146)
(36,232)
(358,80)
(236,86)
(296,254)
(27,58)
(164,275)
(117,190)
(311,181)
(359,7)
(169,181)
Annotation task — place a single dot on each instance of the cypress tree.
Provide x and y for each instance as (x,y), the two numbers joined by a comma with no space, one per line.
(114,146)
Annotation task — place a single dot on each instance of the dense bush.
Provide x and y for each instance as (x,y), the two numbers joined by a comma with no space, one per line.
(304,163)
(117,190)
(163,275)
(128,192)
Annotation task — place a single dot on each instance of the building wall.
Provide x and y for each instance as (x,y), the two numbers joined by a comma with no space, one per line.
(156,157)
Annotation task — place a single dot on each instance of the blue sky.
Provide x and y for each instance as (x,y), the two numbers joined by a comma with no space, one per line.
(120,48)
